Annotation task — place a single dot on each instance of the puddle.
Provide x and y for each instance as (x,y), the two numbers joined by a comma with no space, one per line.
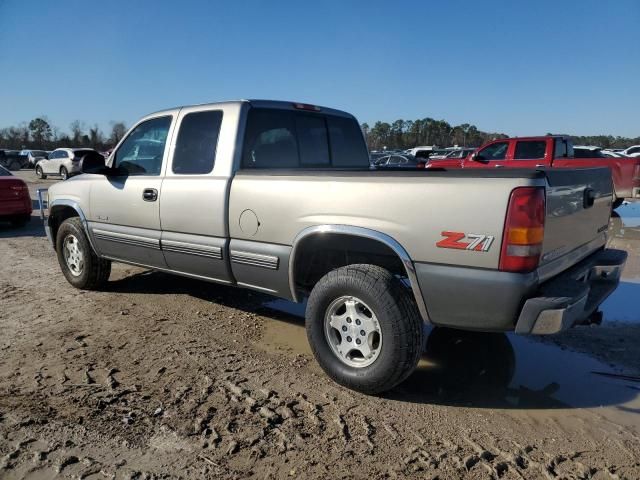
(488,370)
(624,233)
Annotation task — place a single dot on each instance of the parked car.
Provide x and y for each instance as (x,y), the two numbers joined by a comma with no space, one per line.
(460,153)
(15,201)
(33,156)
(63,162)
(439,154)
(552,151)
(421,152)
(633,151)
(11,160)
(279,197)
(398,161)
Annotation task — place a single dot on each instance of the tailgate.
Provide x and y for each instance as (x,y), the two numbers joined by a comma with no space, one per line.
(578,210)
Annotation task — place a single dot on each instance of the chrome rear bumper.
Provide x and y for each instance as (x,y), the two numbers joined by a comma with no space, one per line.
(573,297)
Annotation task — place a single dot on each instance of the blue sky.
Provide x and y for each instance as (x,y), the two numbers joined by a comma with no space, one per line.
(522,68)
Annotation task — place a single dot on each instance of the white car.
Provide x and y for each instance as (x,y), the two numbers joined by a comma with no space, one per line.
(633,151)
(63,162)
(420,152)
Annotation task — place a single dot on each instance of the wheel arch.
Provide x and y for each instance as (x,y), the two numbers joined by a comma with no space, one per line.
(62,209)
(346,237)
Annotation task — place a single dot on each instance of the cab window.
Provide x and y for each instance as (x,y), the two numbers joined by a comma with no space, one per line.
(142,151)
(278,138)
(195,151)
(495,151)
(529,150)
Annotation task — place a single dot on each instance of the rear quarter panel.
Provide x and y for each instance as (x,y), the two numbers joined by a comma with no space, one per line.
(413,208)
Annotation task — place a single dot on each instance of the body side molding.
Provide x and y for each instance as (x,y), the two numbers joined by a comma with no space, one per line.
(365,233)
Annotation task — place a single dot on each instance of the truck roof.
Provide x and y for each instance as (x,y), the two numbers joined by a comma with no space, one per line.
(261,104)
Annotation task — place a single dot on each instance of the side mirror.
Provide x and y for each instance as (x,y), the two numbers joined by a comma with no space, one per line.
(93,162)
(476,157)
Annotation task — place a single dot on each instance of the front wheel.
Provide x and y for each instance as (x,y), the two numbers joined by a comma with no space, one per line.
(64,173)
(364,328)
(40,173)
(79,263)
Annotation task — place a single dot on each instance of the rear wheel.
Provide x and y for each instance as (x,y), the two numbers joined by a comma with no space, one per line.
(364,328)
(64,173)
(79,263)
(14,166)
(39,172)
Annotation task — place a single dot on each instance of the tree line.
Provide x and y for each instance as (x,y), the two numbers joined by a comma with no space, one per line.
(39,134)
(403,134)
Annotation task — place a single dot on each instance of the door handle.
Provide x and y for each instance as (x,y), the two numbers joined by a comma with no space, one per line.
(150,194)
(499,166)
(540,165)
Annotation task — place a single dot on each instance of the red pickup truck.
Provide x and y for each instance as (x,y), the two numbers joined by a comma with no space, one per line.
(550,151)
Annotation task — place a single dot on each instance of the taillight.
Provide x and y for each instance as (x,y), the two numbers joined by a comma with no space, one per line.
(523,230)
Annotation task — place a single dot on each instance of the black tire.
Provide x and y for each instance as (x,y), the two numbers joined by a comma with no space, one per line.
(398,318)
(617,202)
(14,166)
(40,173)
(95,271)
(64,173)
(21,221)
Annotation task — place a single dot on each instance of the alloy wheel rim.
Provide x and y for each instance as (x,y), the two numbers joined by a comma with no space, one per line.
(73,256)
(353,332)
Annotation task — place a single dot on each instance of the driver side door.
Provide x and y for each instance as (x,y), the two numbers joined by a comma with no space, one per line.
(124,208)
(494,155)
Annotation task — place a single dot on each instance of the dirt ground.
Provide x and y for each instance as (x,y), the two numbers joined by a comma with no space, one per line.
(165,377)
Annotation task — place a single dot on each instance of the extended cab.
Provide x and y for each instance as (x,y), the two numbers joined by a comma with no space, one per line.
(551,152)
(278,197)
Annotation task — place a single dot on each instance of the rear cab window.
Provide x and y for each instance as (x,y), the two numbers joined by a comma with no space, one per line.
(289,139)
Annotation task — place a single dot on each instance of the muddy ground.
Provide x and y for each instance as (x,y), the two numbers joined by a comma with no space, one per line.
(165,377)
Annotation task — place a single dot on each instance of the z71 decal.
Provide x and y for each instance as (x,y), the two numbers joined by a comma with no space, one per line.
(477,243)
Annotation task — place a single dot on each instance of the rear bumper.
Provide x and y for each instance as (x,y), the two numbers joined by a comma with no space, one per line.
(573,297)
(494,301)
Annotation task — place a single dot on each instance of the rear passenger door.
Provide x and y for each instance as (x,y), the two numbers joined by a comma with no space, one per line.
(50,166)
(530,154)
(193,210)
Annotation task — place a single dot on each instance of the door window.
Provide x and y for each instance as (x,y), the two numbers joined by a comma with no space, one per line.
(197,141)
(530,150)
(495,151)
(142,151)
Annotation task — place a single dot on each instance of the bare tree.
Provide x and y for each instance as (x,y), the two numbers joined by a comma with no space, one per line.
(118,129)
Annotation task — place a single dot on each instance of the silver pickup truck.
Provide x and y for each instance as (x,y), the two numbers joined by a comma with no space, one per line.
(279,197)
